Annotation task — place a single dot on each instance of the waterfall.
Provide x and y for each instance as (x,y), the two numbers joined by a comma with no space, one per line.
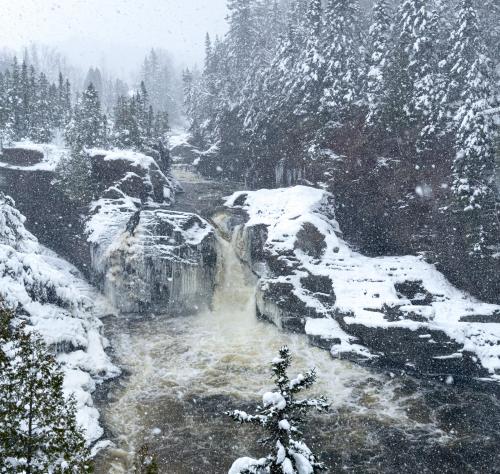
(180,367)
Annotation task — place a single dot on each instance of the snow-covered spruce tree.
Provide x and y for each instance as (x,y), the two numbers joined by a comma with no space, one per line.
(74,176)
(87,127)
(471,88)
(241,40)
(379,36)
(344,69)
(428,75)
(38,429)
(42,124)
(411,109)
(310,67)
(281,415)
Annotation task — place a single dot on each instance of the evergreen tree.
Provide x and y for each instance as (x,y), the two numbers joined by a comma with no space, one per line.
(343,80)
(474,166)
(241,40)
(281,415)
(428,79)
(74,176)
(38,429)
(42,116)
(87,127)
(378,46)
(310,69)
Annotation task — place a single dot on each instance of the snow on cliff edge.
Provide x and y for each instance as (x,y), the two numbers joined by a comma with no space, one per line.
(367,291)
(57,302)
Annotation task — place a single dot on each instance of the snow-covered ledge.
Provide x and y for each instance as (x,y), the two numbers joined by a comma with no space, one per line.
(396,312)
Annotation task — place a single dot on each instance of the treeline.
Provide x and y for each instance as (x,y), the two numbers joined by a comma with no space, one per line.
(30,106)
(392,109)
(133,124)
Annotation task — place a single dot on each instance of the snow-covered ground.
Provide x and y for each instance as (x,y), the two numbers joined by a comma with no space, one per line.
(52,155)
(58,303)
(367,291)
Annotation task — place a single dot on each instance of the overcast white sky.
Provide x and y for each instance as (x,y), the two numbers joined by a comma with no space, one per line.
(116,33)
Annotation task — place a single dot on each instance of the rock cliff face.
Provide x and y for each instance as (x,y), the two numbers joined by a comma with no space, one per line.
(398,313)
(146,257)
(52,296)
(162,261)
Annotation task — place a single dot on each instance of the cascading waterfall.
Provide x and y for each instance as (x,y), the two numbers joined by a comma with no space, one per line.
(186,371)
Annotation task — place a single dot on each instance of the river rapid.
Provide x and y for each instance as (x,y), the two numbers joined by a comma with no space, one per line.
(183,373)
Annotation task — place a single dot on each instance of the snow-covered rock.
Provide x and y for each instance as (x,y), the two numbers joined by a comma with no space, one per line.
(29,156)
(397,312)
(57,302)
(161,261)
(145,256)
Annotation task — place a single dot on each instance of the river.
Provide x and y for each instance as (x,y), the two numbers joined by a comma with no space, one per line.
(182,374)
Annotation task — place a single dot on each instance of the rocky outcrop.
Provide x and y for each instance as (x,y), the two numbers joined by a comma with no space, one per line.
(146,257)
(174,264)
(398,313)
(163,261)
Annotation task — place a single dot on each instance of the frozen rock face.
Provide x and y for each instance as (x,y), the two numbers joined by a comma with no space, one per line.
(394,312)
(146,257)
(164,261)
(55,300)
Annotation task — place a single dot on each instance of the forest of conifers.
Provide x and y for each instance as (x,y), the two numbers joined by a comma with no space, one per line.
(393,106)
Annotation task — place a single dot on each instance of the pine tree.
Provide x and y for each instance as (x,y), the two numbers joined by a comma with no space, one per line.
(38,429)
(471,87)
(281,415)
(74,177)
(428,78)
(42,118)
(87,127)
(311,65)
(343,80)
(241,40)
(378,45)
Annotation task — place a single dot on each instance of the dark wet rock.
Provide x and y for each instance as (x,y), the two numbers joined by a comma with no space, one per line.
(21,156)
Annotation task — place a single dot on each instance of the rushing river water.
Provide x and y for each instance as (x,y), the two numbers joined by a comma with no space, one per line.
(183,373)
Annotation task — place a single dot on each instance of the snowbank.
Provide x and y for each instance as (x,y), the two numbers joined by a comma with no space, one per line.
(58,303)
(51,155)
(313,281)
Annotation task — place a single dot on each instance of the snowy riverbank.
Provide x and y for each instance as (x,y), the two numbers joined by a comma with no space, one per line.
(397,309)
